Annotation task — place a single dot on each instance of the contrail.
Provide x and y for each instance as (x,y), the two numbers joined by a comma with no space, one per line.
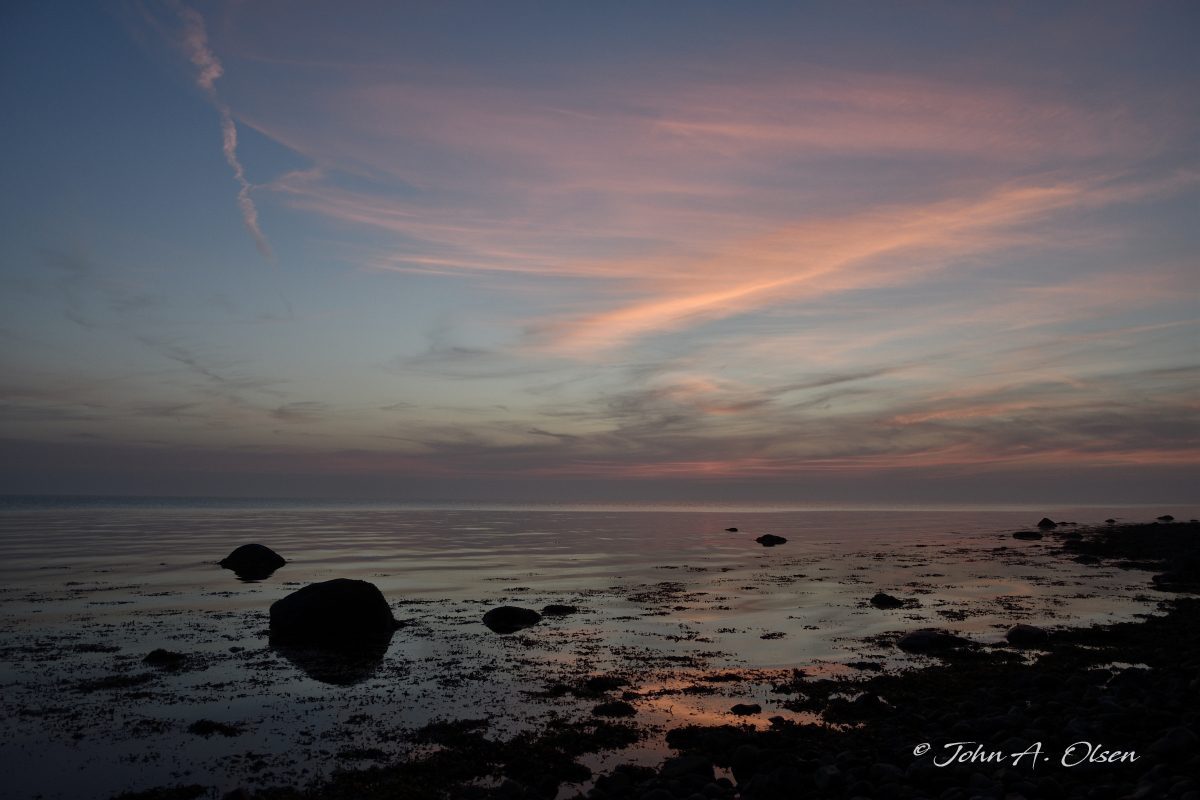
(208,70)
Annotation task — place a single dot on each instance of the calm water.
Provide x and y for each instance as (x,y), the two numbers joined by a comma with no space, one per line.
(665,596)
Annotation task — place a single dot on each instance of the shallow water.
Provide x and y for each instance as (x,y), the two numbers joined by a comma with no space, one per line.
(666,598)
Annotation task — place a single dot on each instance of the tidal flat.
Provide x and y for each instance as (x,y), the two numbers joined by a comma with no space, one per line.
(695,661)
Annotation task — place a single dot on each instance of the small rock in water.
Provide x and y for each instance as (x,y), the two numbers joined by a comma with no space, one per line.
(731,530)
(206,727)
(1111,521)
(1165,518)
(253,561)
(931,640)
(1027,535)
(614,708)
(558,610)
(1047,524)
(604,683)
(770,540)
(509,619)
(164,659)
(746,709)
(1026,636)
(881,600)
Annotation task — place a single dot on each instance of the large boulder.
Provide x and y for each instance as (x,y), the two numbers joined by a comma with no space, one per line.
(341,613)
(1047,524)
(253,561)
(1027,636)
(509,619)
(931,640)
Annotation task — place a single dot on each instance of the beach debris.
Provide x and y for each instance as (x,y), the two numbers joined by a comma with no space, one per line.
(1027,535)
(881,600)
(1022,635)
(1047,524)
(558,610)
(164,659)
(931,640)
(509,619)
(337,613)
(770,540)
(253,561)
(746,709)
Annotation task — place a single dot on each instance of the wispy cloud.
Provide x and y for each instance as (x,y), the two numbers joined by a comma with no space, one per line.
(208,70)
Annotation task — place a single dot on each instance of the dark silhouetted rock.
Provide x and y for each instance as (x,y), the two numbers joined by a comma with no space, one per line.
(1177,743)
(770,540)
(685,766)
(1027,535)
(509,619)
(1165,518)
(1086,559)
(881,600)
(253,562)
(337,613)
(931,640)
(1047,524)
(604,683)
(1184,576)
(614,708)
(731,530)
(206,727)
(1111,521)
(1026,636)
(559,610)
(746,709)
(164,659)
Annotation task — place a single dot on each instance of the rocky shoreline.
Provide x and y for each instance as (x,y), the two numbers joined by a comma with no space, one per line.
(1102,712)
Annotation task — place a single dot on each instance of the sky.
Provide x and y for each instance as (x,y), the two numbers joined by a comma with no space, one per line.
(553,251)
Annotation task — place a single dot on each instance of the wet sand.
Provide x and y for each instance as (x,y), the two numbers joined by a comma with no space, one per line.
(687,618)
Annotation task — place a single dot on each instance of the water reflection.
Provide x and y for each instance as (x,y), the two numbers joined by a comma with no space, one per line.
(344,665)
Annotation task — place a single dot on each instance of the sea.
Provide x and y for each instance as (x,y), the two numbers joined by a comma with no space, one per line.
(667,598)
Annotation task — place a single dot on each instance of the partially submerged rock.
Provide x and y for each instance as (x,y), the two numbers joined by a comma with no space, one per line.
(337,613)
(164,659)
(881,600)
(509,619)
(253,562)
(931,640)
(731,530)
(1165,518)
(1027,535)
(1023,635)
(746,709)
(770,540)
(559,610)
(614,708)
(1047,524)
(1184,576)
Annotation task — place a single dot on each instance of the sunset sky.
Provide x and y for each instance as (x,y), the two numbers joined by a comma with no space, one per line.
(845,251)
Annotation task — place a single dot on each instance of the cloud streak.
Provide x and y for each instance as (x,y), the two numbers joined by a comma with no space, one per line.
(208,70)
